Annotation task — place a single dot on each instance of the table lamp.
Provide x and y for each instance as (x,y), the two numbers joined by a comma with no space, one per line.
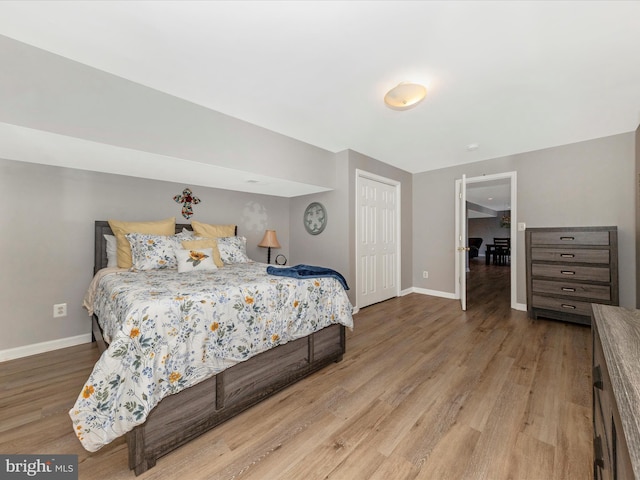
(269,241)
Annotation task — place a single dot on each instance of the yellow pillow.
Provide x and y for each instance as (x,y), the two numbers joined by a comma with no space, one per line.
(120,229)
(203,242)
(212,231)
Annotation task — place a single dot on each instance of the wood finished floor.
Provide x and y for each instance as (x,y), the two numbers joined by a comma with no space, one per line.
(425,391)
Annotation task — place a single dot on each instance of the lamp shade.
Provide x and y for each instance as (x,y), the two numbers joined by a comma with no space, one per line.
(405,95)
(269,240)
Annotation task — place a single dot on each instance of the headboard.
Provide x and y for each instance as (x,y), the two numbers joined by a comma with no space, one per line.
(102,228)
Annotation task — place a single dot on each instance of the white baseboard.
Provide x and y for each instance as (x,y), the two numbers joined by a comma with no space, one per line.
(36,348)
(424,291)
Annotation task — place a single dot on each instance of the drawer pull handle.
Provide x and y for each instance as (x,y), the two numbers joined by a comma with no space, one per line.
(567,272)
(568,289)
(567,239)
(598,457)
(567,255)
(597,378)
(566,305)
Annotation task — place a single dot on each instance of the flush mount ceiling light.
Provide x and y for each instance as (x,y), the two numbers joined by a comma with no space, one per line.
(405,95)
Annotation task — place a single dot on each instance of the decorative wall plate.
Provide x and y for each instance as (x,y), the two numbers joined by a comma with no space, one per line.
(315,218)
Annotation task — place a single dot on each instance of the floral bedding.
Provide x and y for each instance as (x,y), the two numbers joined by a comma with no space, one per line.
(169,330)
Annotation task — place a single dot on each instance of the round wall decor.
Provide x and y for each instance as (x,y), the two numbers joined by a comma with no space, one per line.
(315,218)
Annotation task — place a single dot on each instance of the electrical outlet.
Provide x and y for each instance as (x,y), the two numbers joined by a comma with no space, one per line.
(522,226)
(59,310)
(425,274)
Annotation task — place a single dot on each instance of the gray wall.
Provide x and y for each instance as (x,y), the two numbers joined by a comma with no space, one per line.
(328,247)
(47,226)
(582,184)
(47,237)
(335,246)
(487,228)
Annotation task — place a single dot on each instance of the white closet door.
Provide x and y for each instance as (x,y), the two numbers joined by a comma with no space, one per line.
(377,241)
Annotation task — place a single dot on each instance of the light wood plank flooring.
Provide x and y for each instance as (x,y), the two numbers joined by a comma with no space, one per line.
(425,391)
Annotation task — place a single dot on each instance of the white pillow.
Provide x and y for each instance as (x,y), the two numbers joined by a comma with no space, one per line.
(153,252)
(112,252)
(233,250)
(192,260)
(188,234)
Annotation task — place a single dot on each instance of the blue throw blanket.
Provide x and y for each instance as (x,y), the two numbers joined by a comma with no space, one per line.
(307,271)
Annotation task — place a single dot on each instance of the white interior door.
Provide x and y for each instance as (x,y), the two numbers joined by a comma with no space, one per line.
(461,240)
(377,233)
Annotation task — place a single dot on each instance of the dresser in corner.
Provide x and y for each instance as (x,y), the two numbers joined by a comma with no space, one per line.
(568,269)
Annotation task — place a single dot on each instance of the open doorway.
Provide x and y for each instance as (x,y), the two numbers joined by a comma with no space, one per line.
(488,214)
(501,188)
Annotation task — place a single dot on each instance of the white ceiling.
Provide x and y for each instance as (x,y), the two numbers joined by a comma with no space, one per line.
(509,76)
(492,194)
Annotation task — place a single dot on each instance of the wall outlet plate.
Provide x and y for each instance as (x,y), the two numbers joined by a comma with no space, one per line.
(522,226)
(59,310)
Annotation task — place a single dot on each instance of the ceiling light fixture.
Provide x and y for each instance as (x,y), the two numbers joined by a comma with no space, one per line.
(405,95)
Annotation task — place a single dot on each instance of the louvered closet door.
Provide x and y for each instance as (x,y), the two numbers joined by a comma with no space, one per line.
(377,234)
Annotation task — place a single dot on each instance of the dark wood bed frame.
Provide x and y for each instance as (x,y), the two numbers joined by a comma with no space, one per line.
(181,417)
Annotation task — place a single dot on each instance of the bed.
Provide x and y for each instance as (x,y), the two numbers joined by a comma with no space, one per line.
(159,405)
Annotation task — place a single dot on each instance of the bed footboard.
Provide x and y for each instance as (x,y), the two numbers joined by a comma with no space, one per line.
(192,412)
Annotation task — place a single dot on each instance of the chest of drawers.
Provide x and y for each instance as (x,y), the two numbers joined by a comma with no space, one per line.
(568,268)
(616,393)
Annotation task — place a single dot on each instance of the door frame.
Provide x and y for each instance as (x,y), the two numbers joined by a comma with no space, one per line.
(360,174)
(512,176)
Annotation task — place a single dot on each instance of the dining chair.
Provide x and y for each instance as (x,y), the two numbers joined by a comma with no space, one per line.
(503,250)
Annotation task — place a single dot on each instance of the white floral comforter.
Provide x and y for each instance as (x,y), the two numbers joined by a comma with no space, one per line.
(168,331)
